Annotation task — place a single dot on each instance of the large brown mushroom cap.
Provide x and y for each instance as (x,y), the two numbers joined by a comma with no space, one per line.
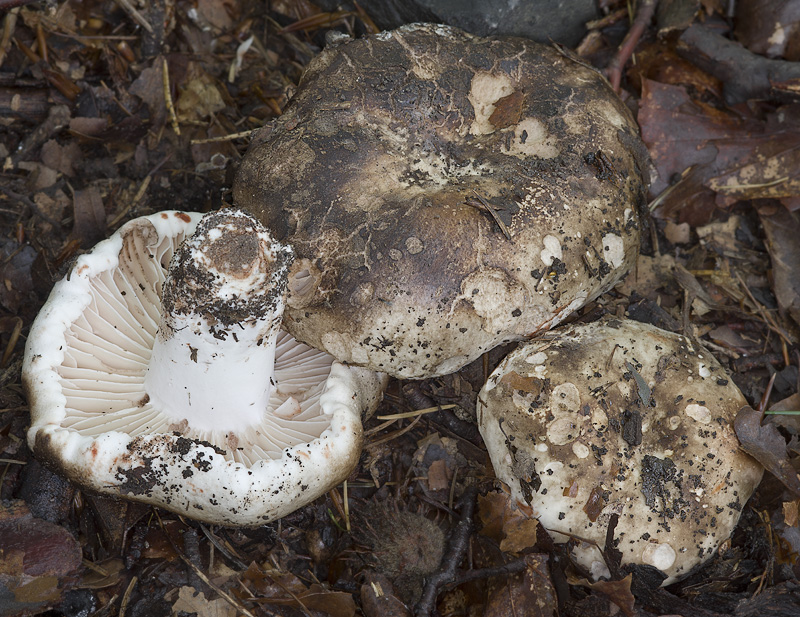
(621,418)
(381,174)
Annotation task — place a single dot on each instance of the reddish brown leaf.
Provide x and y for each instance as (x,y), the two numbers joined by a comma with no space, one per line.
(378,599)
(35,556)
(438,476)
(520,534)
(769,27)
(594,504)
(522,383)
(507,110)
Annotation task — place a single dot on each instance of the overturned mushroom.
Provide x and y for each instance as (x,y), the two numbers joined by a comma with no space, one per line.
(621,418)
(445,193)
(179,389)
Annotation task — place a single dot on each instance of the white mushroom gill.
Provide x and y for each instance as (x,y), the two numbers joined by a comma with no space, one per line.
(120,377)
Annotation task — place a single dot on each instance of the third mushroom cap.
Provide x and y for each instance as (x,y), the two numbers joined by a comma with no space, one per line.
(619,418)
(445,193)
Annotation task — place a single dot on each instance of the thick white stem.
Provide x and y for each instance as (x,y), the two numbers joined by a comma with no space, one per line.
(213,359)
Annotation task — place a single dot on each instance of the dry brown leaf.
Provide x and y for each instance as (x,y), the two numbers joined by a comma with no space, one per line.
(677,234)
(219,13)
(783,229)
(438,476)
(61,158)
(520,534)
(90,216)
(619,592)
(199,96)
(514,530)
(791,509)
(284,588)
(149,87)
(192,601)
(765,444)
(522,383)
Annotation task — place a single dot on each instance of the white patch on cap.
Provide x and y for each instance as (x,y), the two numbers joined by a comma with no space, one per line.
(562,431)
(699,413)
(599,420)
(531,139)
(703,371)
(674,422)
(660,556)
(552,250)
(613,250)
(565,398)
(580,450)
(537,358)
(414,245)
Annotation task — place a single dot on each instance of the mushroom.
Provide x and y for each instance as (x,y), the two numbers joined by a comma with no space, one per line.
(178,388)
(445,193)
(619,418)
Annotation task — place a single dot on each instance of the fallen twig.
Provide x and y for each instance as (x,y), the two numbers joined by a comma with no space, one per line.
(458,544)
(644,15)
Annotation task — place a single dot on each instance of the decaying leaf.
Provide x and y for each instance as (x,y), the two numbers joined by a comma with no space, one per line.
(619,592)
(200,95)
(765,444)
(282,588)
(192,601)
(378,598)
(707,156)
(513,529)
(769,27)
(90,216)
(507,110)
(529,594)
(35,557)
(783,229)
(149,87)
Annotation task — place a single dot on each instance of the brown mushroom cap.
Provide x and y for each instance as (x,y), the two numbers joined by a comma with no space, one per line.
(619,417)
(445,193)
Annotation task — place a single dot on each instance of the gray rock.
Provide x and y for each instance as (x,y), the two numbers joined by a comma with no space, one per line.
(561,21)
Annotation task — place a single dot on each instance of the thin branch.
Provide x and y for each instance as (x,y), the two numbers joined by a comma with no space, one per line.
(458,544)
(644,14)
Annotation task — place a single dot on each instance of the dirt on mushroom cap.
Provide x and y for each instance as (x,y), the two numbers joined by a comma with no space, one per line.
(424,175)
